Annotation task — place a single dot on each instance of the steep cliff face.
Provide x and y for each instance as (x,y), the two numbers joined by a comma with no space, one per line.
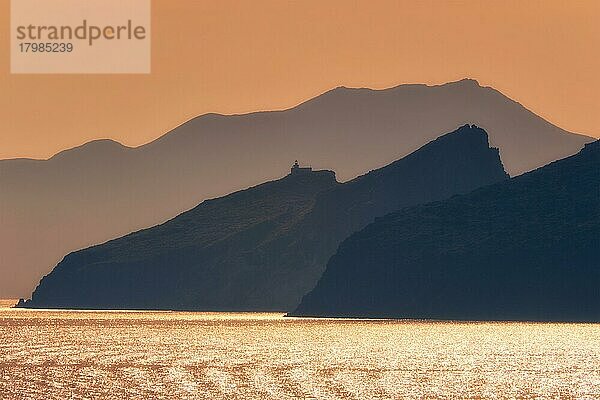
(524,249)
(263,248)
(454,163)
(191,259)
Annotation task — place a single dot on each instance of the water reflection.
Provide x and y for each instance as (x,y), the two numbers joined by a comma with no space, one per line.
(116,355)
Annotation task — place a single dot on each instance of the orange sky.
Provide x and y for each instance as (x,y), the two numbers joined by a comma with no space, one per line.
(239,56)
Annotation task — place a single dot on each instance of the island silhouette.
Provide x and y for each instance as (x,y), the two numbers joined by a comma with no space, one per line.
(522,249)
(102,190)
(262,248)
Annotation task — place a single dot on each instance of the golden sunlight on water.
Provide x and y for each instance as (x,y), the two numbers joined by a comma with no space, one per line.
(117,355)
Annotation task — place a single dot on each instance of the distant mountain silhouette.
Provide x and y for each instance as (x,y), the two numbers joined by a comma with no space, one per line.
(524,249)
(102,189)
(263,248)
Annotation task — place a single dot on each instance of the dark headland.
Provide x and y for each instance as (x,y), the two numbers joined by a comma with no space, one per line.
(524,249)
(263,248)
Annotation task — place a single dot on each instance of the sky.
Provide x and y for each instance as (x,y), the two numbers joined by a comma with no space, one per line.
(242,56)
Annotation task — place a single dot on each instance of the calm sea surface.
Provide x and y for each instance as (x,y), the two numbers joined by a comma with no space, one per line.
(118,355)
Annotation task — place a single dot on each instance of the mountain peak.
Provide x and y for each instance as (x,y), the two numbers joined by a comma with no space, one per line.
(98,147)
(467,139)
(465,82)
(468,132)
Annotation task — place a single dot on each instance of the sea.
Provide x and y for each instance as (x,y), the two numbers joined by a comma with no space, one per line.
(52,354)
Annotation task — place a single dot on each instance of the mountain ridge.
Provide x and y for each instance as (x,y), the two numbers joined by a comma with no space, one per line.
(463,81)
(62,204)
(266,265)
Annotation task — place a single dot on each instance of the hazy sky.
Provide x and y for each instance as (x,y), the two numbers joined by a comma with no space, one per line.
(240,56)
